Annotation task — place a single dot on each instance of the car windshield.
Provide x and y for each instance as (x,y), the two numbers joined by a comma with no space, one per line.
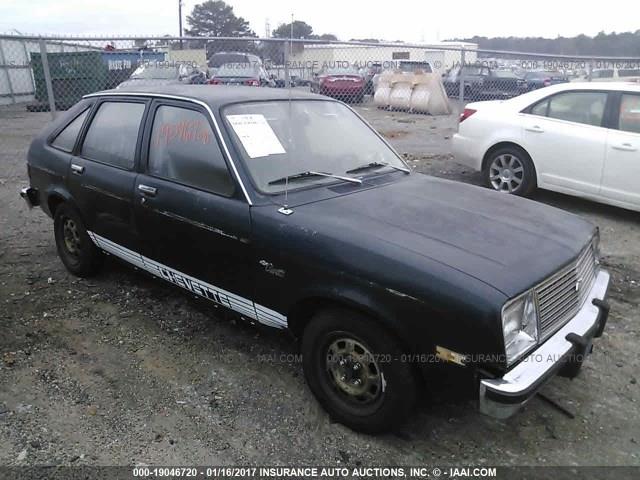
(243,69)
(155,72)
(284,138)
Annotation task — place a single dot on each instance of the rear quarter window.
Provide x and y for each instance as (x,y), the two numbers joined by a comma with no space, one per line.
(66,139)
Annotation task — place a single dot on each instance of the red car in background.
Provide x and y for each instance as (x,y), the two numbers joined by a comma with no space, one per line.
(345,84)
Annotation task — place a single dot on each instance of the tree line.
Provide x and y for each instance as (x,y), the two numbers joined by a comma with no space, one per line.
(625,44)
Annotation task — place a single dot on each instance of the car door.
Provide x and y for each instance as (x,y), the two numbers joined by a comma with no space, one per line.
(194,223)
(566,138)
(621,177)
(103,172)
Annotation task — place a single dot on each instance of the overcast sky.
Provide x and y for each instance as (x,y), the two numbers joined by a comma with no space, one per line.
(412,21)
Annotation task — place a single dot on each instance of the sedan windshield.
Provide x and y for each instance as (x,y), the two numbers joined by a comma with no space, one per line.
(299,137)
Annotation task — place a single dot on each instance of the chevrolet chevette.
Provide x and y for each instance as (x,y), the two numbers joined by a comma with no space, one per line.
(289,210)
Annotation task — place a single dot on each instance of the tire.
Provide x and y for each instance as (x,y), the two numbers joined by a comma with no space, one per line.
(76,250)
(510,170)
(379,403)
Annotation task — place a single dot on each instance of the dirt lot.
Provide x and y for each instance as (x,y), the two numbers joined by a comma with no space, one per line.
(122,368)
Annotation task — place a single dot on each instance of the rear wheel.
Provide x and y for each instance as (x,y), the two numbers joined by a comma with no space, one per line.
(510,170)
(76,250)
(357,371)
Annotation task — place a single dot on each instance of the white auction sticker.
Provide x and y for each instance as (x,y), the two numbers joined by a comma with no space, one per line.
(256,135)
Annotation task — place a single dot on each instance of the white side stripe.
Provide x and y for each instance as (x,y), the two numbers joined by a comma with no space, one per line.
(218,295)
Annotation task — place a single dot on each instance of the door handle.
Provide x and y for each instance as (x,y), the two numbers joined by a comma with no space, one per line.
(627,147)
(77,169)
(147,190)
(535,129)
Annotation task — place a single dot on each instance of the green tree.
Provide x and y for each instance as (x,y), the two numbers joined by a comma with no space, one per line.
(214,18)
(300,30)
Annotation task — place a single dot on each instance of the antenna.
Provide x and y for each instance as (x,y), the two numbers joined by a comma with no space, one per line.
(287,79)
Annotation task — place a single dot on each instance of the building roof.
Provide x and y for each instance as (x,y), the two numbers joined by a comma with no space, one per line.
(215,95)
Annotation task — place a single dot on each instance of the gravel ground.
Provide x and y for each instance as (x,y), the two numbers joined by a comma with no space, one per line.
(123,368)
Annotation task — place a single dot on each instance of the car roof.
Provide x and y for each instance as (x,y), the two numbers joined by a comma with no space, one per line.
(214,96)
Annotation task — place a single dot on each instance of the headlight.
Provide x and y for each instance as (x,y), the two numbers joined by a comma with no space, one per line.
(520,326)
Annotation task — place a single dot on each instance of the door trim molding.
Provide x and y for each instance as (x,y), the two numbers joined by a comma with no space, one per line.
(218,295)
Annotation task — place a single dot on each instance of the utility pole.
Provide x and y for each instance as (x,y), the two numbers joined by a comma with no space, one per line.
(180,21)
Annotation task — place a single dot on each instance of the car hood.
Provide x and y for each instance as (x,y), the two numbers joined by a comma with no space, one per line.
(507,242)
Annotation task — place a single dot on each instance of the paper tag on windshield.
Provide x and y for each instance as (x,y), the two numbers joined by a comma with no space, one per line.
(256,135)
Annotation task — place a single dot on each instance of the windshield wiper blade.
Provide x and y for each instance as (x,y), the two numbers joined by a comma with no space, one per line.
(370,165)
(311,173)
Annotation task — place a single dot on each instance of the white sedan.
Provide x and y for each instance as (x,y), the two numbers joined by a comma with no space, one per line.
(581,139)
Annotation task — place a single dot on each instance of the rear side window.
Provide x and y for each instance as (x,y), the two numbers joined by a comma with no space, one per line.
(577,107)
(184,148)
(66,139)
(630,113)
(113,134)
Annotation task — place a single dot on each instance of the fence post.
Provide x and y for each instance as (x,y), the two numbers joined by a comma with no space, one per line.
(5,68)
(47,77)
(462,72)
(287,53)
(590,70)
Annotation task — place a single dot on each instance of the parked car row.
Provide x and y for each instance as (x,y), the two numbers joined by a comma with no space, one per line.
(486,83)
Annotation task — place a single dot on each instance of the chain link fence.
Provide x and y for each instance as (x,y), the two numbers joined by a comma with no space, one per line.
(51,74)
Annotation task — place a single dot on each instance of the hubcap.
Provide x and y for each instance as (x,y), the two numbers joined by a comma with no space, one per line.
(71,237)
(354,370)
(506,173)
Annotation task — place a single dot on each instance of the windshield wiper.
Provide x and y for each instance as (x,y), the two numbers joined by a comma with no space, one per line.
(311,173)
(370,165)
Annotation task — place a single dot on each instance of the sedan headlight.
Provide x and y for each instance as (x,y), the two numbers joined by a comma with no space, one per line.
(519,326)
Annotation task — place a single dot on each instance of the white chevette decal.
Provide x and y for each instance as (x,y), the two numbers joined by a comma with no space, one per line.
(220,296)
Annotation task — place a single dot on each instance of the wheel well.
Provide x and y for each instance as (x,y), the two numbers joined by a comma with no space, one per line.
(500,145)
(302,313)
(53,202)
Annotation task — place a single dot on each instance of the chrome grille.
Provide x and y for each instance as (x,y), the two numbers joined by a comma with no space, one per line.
(561,296)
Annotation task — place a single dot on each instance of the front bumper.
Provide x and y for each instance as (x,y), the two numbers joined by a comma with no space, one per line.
(562,354)
(30,196)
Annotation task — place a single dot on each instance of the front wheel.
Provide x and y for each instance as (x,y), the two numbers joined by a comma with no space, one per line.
(357,371)
(510,170)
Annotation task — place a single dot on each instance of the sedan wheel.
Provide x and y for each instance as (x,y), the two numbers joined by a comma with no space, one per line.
(510,170)
(506,173)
